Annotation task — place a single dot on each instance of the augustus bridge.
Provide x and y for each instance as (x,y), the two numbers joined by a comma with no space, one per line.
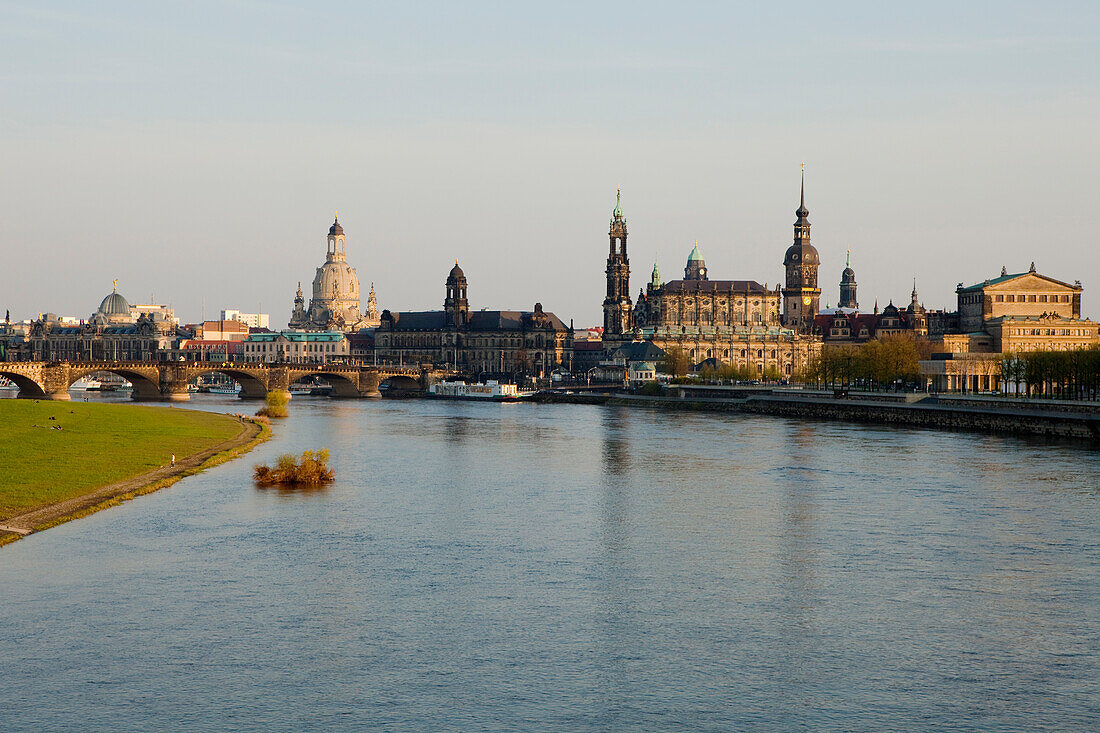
(169,380)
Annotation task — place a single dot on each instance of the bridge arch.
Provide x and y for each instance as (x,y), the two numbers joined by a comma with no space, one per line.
(144,387)
(343,385)
(398,383)
(27,387)
(252,386)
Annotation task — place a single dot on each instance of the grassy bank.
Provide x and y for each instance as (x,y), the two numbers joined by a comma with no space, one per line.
(97,445)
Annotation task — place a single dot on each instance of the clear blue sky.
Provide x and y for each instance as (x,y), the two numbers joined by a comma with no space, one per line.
(196,151)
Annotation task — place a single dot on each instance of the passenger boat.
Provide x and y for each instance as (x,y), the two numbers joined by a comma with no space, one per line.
(490,391)
(221,389)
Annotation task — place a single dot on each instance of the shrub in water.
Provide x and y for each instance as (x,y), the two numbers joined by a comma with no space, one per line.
(275,404)
(310,470)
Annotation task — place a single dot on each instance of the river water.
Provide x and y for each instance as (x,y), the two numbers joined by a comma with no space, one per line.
(570,568)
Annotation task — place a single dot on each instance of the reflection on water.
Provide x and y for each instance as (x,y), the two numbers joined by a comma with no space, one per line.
(526,567)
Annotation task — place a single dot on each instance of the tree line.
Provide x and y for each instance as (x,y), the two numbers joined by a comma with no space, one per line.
(888,361)
(1072,374)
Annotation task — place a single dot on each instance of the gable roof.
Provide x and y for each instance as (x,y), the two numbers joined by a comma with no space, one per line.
(1007,278)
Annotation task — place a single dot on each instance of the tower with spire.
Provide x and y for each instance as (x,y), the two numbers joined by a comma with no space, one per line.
(801,296)
(848,285)
(617,307)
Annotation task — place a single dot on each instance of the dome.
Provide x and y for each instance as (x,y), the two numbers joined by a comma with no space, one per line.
(695,255)
(456,272)
(804,253)
(848,274)
(336,280)
(335,229)
(114,305)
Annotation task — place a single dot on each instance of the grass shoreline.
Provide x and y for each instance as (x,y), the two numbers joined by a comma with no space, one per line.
(252,432)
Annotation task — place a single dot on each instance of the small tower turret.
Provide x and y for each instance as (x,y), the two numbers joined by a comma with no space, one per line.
(696,266)
(848,285)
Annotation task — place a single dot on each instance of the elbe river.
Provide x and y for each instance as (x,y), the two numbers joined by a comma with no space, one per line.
(484,567)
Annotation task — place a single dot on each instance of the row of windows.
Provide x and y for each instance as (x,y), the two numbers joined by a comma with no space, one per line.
(309,347)
(1032,298)
(710,353)
(1050,331)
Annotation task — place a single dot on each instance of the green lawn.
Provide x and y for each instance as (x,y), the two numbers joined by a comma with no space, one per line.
(97,445)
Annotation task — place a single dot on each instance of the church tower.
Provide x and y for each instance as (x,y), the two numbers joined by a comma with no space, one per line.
(456,307)
(801,296)
(848,285)
(617,310)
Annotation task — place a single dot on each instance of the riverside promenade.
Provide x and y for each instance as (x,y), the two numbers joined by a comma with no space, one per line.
(1079,421)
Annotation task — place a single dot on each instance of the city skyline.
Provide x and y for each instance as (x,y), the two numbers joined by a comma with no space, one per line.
(152,146)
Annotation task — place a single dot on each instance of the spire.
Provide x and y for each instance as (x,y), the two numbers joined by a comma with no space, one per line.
(655,279)
(848,259)
(617,212)
(802,212)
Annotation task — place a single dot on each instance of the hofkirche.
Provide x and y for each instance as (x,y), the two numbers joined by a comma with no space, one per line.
(739,322)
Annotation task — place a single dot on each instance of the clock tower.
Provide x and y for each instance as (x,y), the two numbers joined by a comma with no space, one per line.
(801,296)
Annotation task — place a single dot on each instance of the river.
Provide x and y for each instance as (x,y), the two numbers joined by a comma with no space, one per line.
(482,567)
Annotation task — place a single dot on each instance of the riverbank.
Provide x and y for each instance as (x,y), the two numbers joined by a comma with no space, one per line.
(1047,419)
(62,461)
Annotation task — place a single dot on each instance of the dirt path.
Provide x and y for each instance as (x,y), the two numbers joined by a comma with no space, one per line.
(24,524)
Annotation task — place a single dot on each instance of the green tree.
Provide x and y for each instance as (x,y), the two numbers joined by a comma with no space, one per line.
(675,362)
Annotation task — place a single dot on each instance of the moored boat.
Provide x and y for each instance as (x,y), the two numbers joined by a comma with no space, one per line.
(490,391)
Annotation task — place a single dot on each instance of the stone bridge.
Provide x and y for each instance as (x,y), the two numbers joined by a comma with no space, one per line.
(169,380)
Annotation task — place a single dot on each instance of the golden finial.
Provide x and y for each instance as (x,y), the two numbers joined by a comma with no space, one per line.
(115,284)
(803,167)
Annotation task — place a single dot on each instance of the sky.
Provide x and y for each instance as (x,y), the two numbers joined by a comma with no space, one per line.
(197,151)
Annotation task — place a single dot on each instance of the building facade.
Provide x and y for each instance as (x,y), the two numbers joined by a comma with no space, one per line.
(1012,313)
(334,304)
(111,333)
(482,341)
(295,347)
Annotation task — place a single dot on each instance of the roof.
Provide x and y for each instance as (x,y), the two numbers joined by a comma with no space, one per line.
(695,254)
(303,336)
(639,351)
(477,321)
(712,286)
(643,366)
(1006,278)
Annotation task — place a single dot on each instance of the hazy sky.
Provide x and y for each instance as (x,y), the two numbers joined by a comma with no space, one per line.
(196,151)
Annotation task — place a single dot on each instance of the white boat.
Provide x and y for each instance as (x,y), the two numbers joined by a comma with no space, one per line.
(233,389)
(87,383)
(8,385)
(490,391)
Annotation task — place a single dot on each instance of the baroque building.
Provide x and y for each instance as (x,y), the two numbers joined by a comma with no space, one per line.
(483,342)
(737,322)
(334,304)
